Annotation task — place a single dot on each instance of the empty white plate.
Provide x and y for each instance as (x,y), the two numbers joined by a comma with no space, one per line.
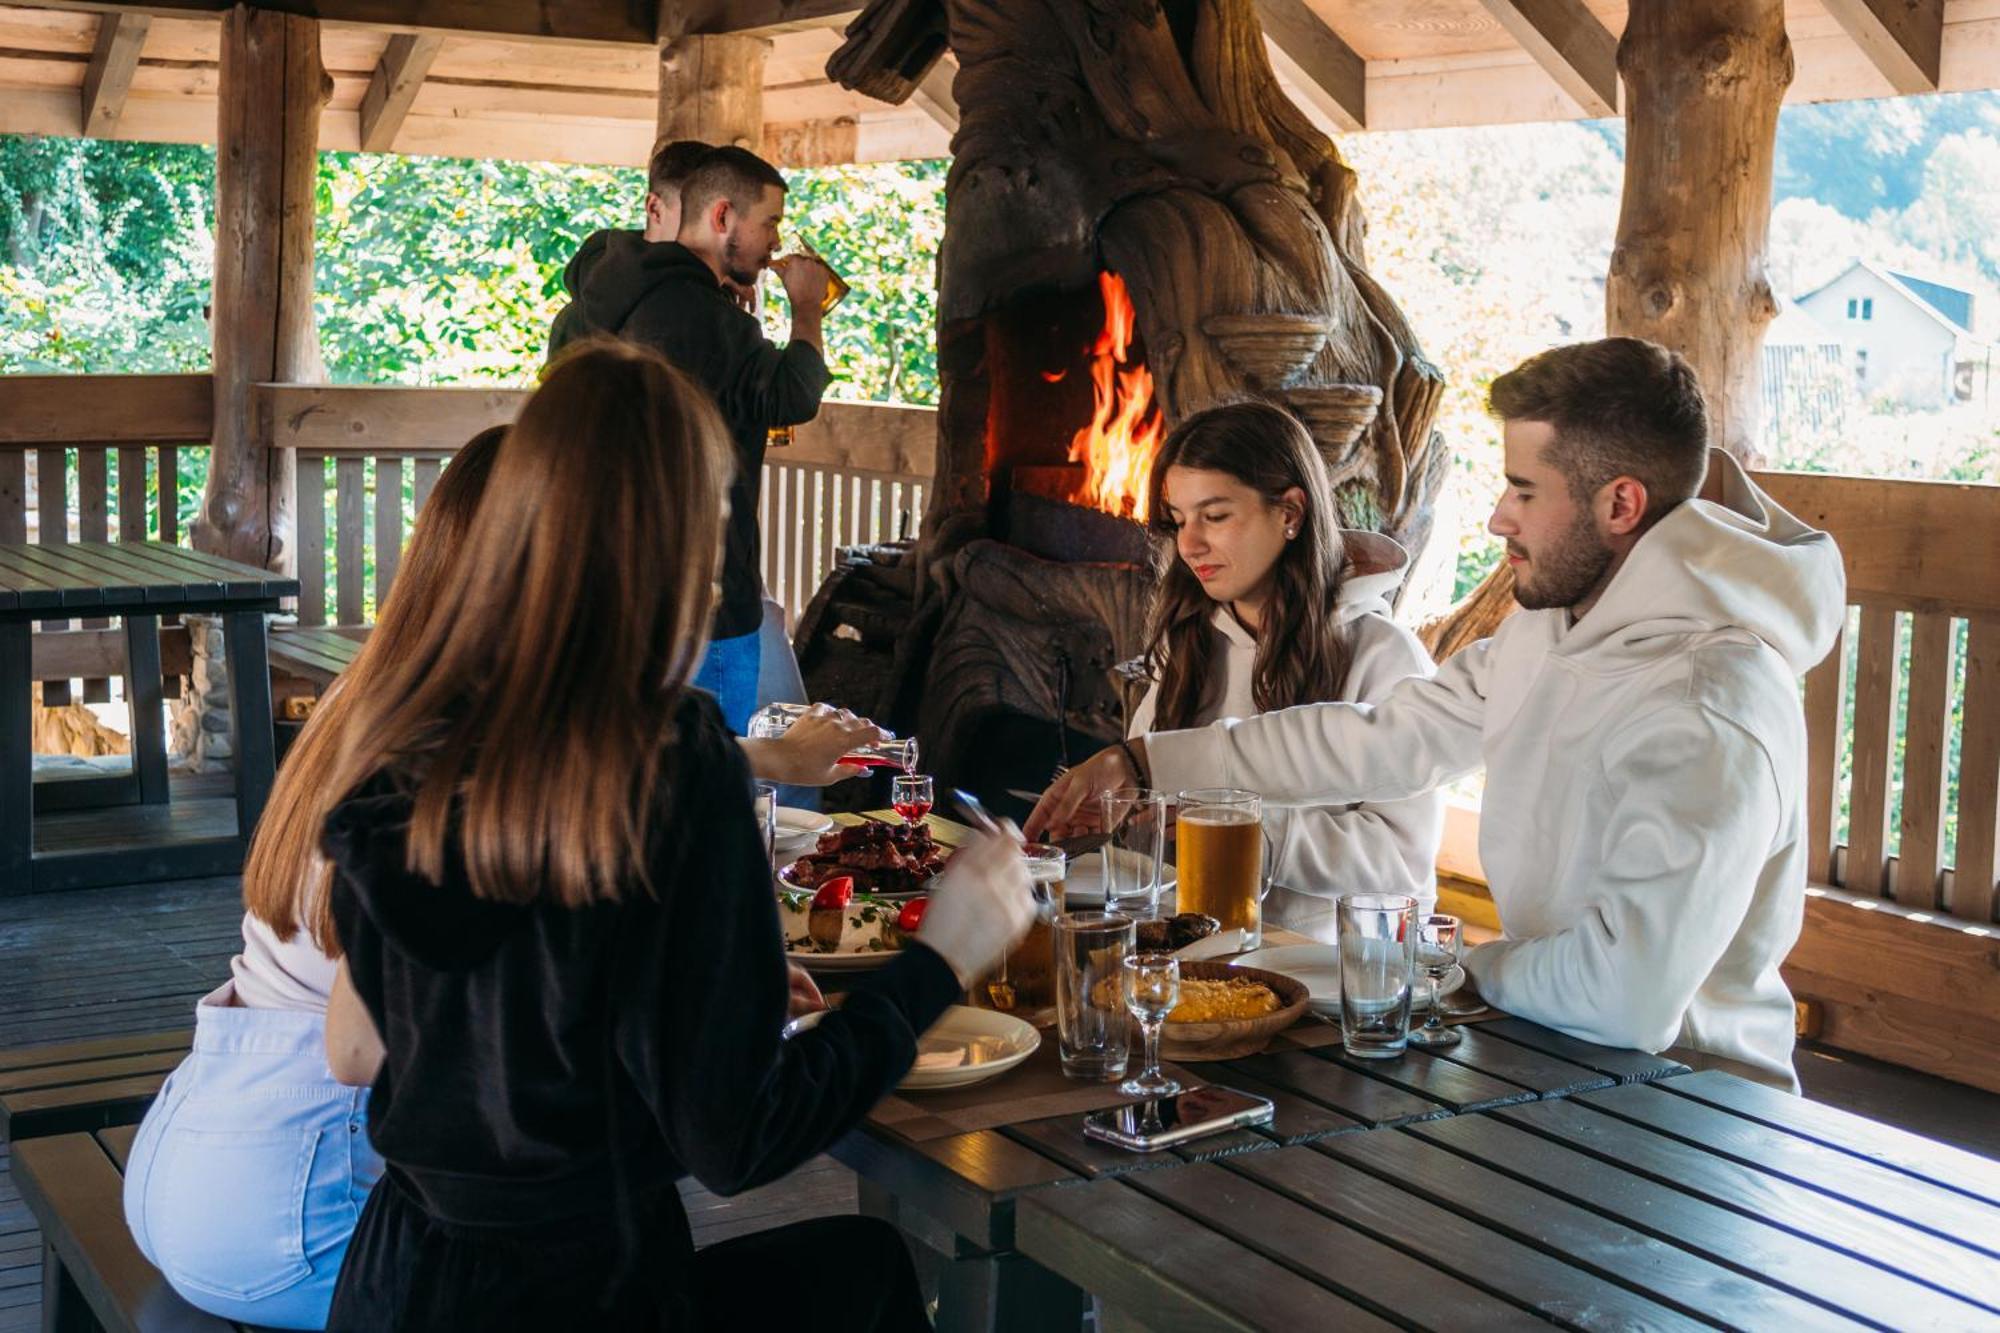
(799,831)
(1314,966)
(1083,886)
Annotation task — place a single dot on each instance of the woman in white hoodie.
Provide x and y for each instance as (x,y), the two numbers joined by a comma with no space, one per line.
(1265,603)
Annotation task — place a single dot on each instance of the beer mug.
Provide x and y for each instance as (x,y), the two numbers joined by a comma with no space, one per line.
(836,286)
(1223,860)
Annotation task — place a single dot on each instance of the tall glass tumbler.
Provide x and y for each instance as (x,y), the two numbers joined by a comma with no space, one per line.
(1378,943)
(1094,1034)
(1136,820)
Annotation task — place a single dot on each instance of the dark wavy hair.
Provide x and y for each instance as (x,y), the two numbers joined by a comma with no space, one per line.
(1301,657)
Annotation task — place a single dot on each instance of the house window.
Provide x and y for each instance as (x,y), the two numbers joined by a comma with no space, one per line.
(1868,308)
(1853,307)
(1861,365)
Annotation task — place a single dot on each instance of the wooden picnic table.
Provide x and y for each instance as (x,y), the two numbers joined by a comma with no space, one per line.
(56,835)
(1697,1202)
(957,1169)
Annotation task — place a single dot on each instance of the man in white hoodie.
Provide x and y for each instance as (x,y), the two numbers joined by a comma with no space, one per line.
(1640,723)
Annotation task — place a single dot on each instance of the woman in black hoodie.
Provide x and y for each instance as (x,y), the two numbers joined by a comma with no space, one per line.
(557,915)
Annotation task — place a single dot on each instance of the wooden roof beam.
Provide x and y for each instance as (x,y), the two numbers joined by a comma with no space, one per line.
(112,64)
(393,89)
(934,93)
(1568,42)
(761,18)
(1313,58)
(1902,38)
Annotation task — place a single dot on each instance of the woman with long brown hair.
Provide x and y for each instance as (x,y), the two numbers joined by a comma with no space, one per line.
(249,1169)
(1266,603)
(558,919)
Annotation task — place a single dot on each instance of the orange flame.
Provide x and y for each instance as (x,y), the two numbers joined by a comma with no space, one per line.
(1118,445)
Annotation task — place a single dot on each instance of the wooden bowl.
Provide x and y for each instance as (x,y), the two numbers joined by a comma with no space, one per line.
(1240,1036)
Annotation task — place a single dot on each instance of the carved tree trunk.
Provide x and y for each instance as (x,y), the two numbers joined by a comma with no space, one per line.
(1703,79)
(1105,134)
(272,88)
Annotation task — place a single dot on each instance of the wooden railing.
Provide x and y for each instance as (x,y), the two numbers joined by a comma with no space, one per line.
(857,473)
(104,454)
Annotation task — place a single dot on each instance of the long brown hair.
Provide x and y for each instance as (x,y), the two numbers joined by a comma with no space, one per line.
(1301,656)
(528,726)
(284,880)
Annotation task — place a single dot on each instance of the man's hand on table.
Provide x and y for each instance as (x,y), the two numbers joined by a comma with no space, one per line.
(1070,806)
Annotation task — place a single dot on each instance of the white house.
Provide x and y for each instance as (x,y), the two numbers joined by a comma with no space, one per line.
(1907,338)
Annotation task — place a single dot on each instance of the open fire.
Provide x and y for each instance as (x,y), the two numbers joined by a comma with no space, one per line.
(1118,445)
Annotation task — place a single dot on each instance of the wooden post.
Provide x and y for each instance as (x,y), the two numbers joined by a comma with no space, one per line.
(1703,80)
(267,134)
(712,89)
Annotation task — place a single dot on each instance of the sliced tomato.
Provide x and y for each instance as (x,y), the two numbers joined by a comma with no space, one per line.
(835,892)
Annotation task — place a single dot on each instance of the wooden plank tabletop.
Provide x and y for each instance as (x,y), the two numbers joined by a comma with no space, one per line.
(1639,1205)
(121,577)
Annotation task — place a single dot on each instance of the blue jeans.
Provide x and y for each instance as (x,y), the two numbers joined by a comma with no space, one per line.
(729,672)
(250,1169)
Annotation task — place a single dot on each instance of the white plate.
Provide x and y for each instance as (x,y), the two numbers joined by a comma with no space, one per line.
(841,962)
(1083,886)
(1317,968)
(964,1047)
(799,831)
(1314,966)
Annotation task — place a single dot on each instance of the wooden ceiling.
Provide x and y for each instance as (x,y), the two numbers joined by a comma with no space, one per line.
(573,80)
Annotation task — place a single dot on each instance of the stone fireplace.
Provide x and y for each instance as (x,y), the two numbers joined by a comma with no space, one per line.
(1139,223)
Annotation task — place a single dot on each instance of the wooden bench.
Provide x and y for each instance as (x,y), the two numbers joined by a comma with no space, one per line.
(315,653)
(93,1275)
(85,1085)
(1899,958)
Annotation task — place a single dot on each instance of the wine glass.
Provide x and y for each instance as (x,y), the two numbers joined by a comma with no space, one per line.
(1152,989)
(1437,955)
(910,794)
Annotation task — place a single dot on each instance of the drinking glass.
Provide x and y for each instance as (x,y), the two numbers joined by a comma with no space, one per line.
(1093,1033)
(764,803)
(774,720)
(1219,857)
(1136,820)
(1152,989)
(1378,938)
(910,794)
(1046,868)
(1437,954)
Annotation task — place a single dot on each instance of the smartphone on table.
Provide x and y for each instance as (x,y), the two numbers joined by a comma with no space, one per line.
(1164,1122)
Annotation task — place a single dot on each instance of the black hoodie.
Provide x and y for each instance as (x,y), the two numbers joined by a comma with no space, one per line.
(664,296)
(543,1062)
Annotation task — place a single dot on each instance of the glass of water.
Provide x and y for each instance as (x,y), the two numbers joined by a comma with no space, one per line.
(1378,938)
(1152,989)
(1094,1034)
(1437,955)
(764,803)
(1136,820)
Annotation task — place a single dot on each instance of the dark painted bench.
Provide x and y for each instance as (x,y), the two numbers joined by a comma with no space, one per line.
(85,1085)
(93,1276)
(315,653)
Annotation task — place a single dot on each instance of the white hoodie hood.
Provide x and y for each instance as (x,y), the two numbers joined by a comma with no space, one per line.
(1320,852)
(1642,827)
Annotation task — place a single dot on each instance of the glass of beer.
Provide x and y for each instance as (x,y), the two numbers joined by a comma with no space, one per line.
(1220,859)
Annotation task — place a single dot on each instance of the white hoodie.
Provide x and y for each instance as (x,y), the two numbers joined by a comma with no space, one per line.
(1321,852)
(1643,830)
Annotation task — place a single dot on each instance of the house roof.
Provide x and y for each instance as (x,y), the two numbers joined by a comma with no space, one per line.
(1949,306)
(1795,326)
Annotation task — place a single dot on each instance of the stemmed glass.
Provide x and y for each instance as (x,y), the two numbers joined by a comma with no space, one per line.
(1437,955)
(1152,989)
(910,794)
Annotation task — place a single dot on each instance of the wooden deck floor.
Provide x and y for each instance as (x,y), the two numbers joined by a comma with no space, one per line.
(109,961)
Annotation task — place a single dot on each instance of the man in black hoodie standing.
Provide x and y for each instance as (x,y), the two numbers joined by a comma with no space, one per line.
(678,297)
